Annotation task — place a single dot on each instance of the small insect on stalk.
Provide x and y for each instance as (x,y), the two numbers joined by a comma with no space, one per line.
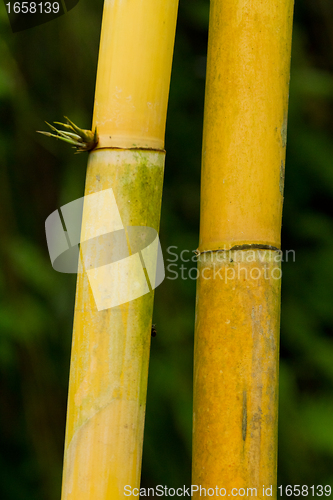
(82,140)
(153,330)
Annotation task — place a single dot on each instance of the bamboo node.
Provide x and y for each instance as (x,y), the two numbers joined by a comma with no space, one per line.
(248,246)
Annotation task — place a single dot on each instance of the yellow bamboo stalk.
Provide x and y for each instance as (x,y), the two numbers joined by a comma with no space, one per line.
(238,290)
(110,351)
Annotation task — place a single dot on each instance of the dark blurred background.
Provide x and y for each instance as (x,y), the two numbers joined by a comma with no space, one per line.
(49,71)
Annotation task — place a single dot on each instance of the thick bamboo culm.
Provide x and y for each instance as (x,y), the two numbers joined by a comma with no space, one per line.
(238,289)
(110,350)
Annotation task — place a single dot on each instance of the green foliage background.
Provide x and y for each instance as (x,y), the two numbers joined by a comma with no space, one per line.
(49,71)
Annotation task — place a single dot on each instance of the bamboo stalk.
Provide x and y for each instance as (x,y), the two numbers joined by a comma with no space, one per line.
(110,351)
(238,290)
